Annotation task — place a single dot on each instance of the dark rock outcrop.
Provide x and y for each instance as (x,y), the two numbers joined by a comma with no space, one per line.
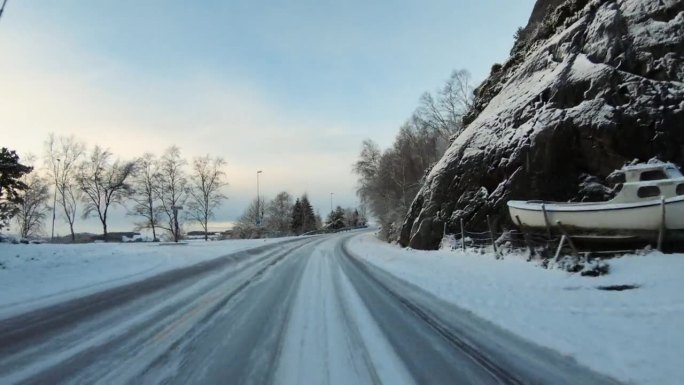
(591,86)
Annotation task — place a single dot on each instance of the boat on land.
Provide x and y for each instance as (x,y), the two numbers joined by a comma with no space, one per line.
(650,199)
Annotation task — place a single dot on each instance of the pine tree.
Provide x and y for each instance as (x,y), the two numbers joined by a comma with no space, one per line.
(308,216)
(336,219)
(11,184)
(296,224)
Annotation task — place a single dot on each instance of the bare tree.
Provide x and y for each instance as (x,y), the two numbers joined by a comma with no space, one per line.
(172,189)
(206,181)
(246,225)
(144,196)
(444,111)
(279,213)
(62,155)
(33,207)
(104,183)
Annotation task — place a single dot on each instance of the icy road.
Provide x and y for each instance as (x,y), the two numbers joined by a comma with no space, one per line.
(298,312)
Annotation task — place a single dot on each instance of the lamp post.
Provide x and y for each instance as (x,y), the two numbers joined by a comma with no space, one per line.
(258,209)
(331,205)
(54,203)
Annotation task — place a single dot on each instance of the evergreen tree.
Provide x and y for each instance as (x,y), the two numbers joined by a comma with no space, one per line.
(308,216)
(354,221)
(336,219)
(11,184)
(296,224)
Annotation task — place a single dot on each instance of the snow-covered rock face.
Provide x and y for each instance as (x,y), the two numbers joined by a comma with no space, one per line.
(594,85)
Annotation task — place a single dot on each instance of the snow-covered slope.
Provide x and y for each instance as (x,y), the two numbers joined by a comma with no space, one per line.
(594,85)
(635,335)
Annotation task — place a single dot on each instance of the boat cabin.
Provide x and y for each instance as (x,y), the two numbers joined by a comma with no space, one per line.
(650,181)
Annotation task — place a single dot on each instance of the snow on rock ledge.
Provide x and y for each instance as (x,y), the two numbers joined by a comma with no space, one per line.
(593,85)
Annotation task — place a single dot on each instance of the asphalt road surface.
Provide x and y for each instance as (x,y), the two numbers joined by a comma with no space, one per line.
(299,312)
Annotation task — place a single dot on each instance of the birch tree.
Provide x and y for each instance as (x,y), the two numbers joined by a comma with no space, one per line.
(144,196)
(62,155)
(172,189)
(206,181)
(104,183)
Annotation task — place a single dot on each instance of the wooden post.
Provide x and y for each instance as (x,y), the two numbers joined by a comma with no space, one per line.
(462,236)
(567,236)
(663,227)
(491,236)
(527,237)
(560,246)
(546,222)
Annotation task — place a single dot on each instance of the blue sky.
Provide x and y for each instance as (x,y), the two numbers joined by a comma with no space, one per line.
(288,87)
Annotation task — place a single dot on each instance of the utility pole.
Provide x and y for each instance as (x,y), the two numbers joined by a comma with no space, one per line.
(258,209)
(54,198)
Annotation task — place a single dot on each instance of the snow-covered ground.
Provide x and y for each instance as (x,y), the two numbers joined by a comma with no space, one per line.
(37,275)
(634,335)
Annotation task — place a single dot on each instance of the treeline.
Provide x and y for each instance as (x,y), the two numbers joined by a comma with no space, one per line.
(388,180)
(163,192)
(284,215)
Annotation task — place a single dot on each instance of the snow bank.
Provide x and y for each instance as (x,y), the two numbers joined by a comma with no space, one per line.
(634,335)
(37,275)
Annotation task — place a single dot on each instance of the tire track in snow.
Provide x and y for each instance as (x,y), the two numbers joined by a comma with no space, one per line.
(154,327)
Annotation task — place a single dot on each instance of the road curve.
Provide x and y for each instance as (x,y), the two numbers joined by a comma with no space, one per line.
(301,312)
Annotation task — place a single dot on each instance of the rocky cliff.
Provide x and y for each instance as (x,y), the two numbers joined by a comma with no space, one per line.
(589,86)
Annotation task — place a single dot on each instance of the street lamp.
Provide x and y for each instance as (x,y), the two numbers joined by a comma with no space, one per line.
(331,205)
(258,212)
(54,203)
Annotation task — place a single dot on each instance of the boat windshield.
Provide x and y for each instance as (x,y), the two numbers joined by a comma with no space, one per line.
(653,175)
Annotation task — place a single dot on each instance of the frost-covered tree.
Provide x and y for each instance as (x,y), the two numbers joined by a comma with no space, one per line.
(336,219)
(443,112)
(11,184)
(206,181)
(144,197)
(62,156)
(279,214)
(104,183)
(246,225)
(33,209)
(172,189)
(389,180)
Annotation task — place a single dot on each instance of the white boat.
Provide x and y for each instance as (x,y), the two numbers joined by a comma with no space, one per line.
(652,194)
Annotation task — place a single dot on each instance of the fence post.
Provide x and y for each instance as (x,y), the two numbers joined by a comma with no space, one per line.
(491,236)
(462,236)
(526,236)
(663,228)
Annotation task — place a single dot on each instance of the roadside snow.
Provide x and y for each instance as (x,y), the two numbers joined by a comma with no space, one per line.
(634,335)
(36,275)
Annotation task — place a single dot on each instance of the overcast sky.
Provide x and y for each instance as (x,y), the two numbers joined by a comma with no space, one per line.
(287,87)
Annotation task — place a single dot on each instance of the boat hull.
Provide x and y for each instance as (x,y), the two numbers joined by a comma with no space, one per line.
(645,216)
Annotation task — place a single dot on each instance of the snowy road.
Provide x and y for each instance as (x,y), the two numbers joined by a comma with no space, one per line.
(300,312)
